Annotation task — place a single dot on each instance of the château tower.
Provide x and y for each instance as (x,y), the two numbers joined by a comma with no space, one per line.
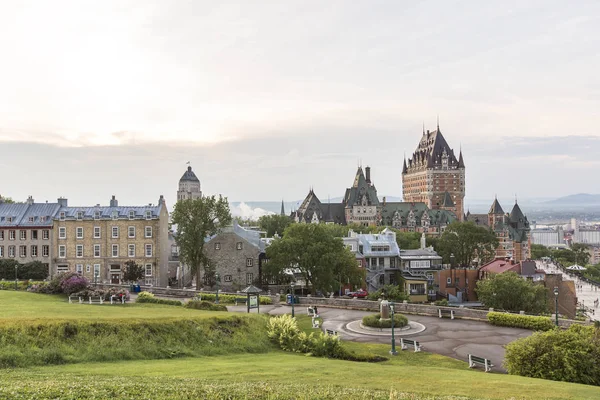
(189,186)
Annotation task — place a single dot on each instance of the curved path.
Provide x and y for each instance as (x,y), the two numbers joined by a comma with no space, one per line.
(453,338)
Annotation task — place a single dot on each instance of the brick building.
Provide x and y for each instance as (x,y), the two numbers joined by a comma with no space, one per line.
(434,175)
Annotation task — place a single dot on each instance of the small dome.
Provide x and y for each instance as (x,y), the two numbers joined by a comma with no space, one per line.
(189,176)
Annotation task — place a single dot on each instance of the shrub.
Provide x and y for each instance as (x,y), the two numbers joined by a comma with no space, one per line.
(562,355)
(392,292)
(149,298)
(375,321)
(442,303)
(230,298)
(205,305)
(74,284)
(520,321)
(55,284)
(145,295)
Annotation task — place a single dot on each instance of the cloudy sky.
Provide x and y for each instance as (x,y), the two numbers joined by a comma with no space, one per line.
(268,98)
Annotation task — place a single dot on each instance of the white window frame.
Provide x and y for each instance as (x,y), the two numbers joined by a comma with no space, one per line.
(79,268)
(251,276)
(62,232)
(217,246)
(23,234)
(1,234)
(78,252)
(96,269)
(22,251)
(97,215)
(62,251)
(88,268)
(12,235)
(131,232)
(62,216)
(79,230)
(45,234)
(79,215)
(31,219)
(113,230)
(148,214)
(113,248)
(131,214)
(131,250)
(11,251)
(146,247)
(148,268)
(34,250)
(148,232)
(239,246)
(97,232)
(46,253)
(1,251)
(97,250)
(115,215)
(249,262)
(448,281)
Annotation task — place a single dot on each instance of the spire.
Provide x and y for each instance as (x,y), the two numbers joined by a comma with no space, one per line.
(282,208)
(438,122)
(404,169)
(496,209)
(461,162)
(423,127)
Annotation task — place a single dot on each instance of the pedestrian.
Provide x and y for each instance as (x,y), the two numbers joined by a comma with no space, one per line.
(316,311)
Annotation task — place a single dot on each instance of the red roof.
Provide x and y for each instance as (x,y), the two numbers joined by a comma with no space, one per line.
(500,265)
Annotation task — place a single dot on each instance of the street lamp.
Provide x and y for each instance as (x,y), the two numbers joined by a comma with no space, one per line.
(452,260)
(217,295)
(393,351)
(292,290)
(556,303)
(16,280)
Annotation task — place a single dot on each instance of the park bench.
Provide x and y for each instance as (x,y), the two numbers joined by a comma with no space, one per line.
(310,311)
(95,300)
(404,343)
(73,298)
(474,361)
(442,312)
(315,323)
(331,332)
(116,299)
(240,300)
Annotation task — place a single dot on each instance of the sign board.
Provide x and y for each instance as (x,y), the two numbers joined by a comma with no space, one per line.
(253,301)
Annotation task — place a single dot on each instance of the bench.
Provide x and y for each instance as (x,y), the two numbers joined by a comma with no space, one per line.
(442,312)
(310,311)
(474,360)
(240,300)
(315,322)
(116,300)
(404,343)
(96,300)
(78,298)
(331,332)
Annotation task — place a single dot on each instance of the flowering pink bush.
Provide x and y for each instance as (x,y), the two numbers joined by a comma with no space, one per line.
(74,284)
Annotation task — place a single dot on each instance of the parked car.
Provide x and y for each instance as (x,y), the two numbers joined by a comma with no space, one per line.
(361,294)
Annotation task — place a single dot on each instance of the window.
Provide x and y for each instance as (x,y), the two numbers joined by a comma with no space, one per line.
(96,269)
(217,246)
(115,215)
(46,234)
(392,262)
(88,268)
(62,232)
(96,215)
(148,269)
(23,251)
(131,214)
(131,232)
(249,262)
(62,215)
(34,252)
(62,268)
(249,278)
(97,232)
(79,215)
(148,250)
(131,250)
(457,280)
(238,245)
(96,250)
(79,268)
(62,251)
(1,251)
(148,232)
(350,247)
(79,251)
(381,261)
(8,219)
(115,232)
(79,232)
(12,235)
(148,214)
(115,250)
(34,235)
(228,278)
(449,281)
(30,219)
(23,235)
(11,251)
(1,235)
(45,251)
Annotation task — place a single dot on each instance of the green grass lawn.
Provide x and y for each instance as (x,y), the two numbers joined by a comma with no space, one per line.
(24,305)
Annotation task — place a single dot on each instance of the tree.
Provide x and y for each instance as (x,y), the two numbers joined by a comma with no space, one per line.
(582,257)
(467,241)
(321,258)
(133,272)
(273,224)
(197,219)
(538,251)
(7,200)
(508,291)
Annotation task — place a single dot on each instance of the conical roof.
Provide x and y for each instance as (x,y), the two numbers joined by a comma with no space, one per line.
(461,162)
(189,175)
(447,200)
(516,215)
(496,208)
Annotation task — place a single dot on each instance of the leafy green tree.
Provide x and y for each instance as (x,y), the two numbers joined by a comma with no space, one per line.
(7,200)
(538,251)
(508,291)
(392,292)
(197,219)
(273,224)
(133,272)
(582,257)
(321,258)
(7,269)
(467,241)
(564,256)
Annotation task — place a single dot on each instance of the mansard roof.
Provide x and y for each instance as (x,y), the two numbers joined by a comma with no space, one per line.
(27,214)
(189,175)
(431,149)
(420,211)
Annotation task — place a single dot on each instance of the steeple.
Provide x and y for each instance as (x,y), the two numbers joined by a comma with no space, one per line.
(496,209)
(282,208)
(438,122)
(404,169)
(461,163)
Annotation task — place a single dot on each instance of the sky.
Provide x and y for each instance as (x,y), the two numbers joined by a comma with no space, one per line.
(266,99)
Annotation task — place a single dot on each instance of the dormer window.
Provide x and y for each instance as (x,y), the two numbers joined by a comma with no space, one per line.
(148,214)
(42,219)
(79,215)
(115,215)
(31,219)
(131,214)
(62,215)
(96,215)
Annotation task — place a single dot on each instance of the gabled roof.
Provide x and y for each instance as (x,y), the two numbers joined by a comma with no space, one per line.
(250,236)
(189,175)
(496,208)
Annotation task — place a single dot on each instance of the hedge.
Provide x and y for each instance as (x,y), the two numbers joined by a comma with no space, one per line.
(21,285)
(205,305)
(230,298)
(520,321)
(374,321)
(146,297)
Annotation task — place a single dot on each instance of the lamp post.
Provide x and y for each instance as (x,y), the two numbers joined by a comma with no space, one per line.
(293,299)
(452,260)
(217,295)
(556,303)
(16,280)
(96,273)
(393,351)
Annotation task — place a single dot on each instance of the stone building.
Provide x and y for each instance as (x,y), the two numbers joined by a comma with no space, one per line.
(361,205)
(189,186)
(237,255)
(99,240)
(434,175)
(26,232)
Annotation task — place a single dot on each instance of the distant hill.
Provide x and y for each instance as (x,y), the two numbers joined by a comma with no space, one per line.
(577,199)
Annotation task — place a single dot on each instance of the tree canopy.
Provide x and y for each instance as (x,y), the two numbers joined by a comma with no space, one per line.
(510,292)
(273,224)
(197,219)
(319,256)
(133,272)
(538,251)
(467,242)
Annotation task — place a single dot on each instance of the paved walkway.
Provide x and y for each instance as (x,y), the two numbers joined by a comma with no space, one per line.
(586,295)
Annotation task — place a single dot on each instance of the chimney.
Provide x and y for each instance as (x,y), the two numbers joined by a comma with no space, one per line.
(114,202)
(189,169)
(30,200)
(368,174)
(161,200)
(63,202)
(384,200)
